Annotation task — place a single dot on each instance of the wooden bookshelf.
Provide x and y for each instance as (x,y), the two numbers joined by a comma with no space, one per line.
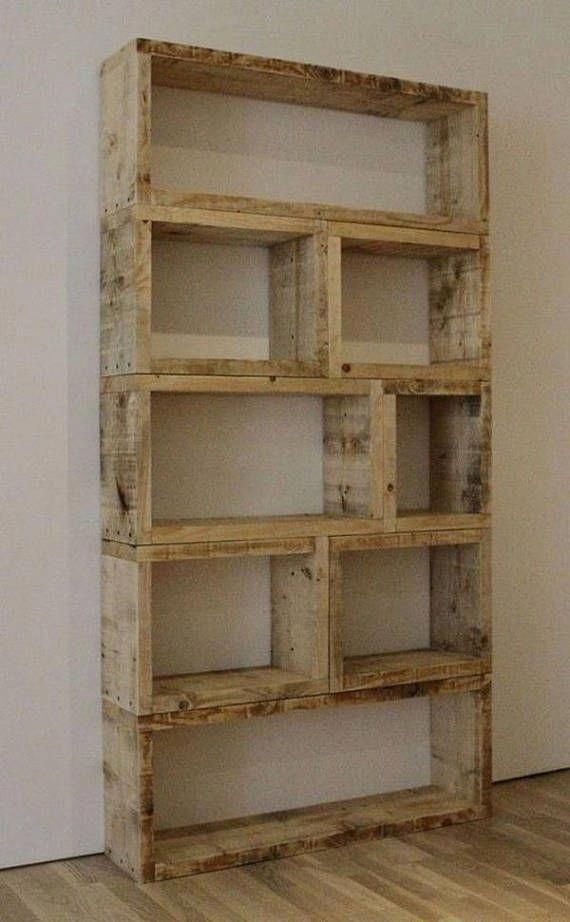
(301,248)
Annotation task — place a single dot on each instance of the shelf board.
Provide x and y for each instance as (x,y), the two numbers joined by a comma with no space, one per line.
(176,198)
(174,531)
(231,686)
(384,669)
(420,520)
(274,368)
(229,384)
(230,843)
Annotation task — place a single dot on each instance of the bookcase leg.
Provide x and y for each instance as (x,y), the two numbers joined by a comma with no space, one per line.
(127,766)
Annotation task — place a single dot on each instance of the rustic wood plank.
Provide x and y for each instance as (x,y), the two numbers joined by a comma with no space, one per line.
(461,745)
(457,474)
(460,598)
(409,666)
(169,367)
(191,67)
(222,714)
(352,433)
(230,686)
(128,780)
(300,613)
(225,384)
(126,634)
(416,243)
(251,839)
(244,528)
(208,550)
(125,129)
(457,163)
(459,308)
(399,540)
(125,298)
(298,301)
(415,520)
(388,479)
(125,467)
(314,211)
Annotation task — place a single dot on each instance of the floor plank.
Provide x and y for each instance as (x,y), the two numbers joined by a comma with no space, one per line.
(515,865)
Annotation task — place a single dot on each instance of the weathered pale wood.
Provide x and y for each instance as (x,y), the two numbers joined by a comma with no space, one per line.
(352,455)
(298,300)
(389,461)
(223,714)
(224,227)
(169,367)
(125,467)
(399,540)
(409,666)
(460,598)
(436,383)
(191,67)
(230,686)
(300,613)
(456,455)
(461,745)
(413,242)
(225,384)
(125,129)
(169,552)
(438,375)
(126,634)
(459,308)
(253,528)
(222,845)
(315,211)
(125,298)
(457,163)
(128,780)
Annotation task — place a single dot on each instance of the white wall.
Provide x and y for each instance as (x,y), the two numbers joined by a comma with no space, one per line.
(50,791)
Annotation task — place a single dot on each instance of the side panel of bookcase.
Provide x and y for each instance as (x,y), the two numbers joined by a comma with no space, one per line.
(125,467)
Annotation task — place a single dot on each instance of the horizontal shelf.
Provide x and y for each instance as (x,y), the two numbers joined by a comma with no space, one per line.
(232,686)
(243,841)
(409,666)
(407,379)
(315,211)
(259,527)
(228,713)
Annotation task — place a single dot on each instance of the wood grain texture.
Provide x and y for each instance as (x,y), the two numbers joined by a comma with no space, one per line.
(222,714)
(128,781)
(461,745)
(457,467)
(125,129)
(244,528)
(300,613)
(278,835)
(459,308)
(208,550)
(415,243)
(314,211)
(381,669)
(352,464)
(457,163)
(126,634)
(125,467)
(225,384)
(126,298)
(192,67)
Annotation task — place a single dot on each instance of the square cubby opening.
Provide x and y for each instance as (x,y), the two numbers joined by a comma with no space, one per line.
(409,608)
(236,625)
(442,459)
(240,294)
(410,299)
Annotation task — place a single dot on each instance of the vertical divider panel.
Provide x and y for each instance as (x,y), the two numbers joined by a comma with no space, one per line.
(461,744)
(389,466)
(126,297)
(334,301)
(457,163)
(458,308)
(126,467)
(459,597)
(128,781)
(125,129)
(126,634)
(353,457)
(300,612)
(336,607)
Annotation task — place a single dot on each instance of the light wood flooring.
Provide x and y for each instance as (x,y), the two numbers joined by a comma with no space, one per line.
(513,866)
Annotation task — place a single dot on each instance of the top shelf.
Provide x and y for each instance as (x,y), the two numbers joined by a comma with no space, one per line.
(455,129)
(195,68)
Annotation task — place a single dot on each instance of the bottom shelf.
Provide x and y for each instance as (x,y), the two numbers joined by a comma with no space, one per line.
(230,843)
(409,666)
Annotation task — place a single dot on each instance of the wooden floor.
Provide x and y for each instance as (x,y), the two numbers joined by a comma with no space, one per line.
(514,866)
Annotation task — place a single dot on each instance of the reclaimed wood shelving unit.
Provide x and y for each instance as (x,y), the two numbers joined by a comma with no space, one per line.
(305,246)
